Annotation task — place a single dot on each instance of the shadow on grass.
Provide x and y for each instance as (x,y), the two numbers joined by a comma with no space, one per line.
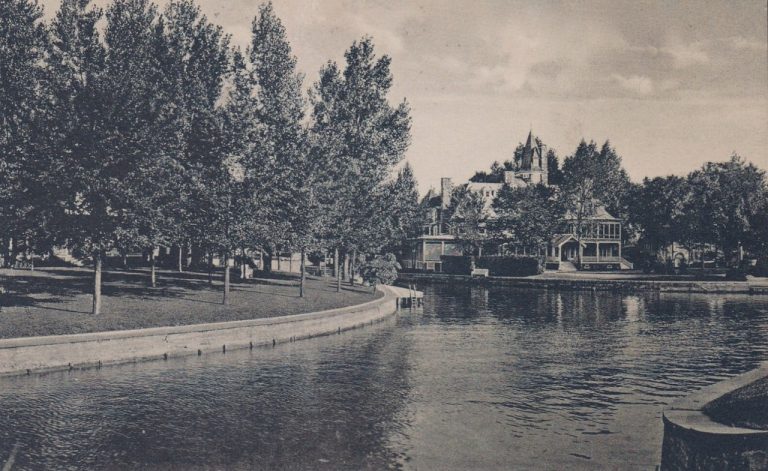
(51,286)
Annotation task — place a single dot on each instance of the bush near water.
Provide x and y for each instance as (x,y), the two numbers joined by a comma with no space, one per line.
(497,265)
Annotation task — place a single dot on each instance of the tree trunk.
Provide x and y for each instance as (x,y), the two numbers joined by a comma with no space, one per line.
(96,284)
(303,276)
(124,256)
(6,253)
(261,259)
(345,269)
(210,268)
(153,272)
(352,268)
(242,264)
(181,254)
(14,252)
(225,301)
(337,269)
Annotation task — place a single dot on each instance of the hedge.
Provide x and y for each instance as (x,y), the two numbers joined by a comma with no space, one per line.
(497,265)
(510,265)
(456,264)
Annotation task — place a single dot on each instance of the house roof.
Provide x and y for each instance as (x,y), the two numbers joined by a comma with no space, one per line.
(600,213)
(560,239)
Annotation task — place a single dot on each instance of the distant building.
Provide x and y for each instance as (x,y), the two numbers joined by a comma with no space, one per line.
(600,247)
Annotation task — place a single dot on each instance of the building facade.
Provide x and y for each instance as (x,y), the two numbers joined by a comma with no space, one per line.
(600,242)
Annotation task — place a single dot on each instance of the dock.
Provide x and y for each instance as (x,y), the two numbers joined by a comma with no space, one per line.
(408,297)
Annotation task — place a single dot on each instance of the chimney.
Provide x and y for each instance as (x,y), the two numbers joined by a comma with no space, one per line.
(445,191)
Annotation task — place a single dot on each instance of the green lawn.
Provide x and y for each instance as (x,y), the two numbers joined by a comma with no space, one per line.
(55,301)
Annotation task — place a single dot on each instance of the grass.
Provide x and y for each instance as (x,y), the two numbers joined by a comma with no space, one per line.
(57,301)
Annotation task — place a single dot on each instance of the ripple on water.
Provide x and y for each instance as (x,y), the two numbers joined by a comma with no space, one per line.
(482,378)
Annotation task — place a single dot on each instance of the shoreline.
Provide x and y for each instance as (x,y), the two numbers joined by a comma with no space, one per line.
(594,283)
(26,355)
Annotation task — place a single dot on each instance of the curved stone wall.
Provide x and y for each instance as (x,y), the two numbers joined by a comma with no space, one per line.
(36,354)
(693,441)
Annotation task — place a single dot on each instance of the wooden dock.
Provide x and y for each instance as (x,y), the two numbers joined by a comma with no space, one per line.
(408,297)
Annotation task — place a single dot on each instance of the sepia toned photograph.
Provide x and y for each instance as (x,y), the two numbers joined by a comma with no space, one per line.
(384,234)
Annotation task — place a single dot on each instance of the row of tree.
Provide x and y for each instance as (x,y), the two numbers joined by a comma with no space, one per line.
(154,131)
(722,206)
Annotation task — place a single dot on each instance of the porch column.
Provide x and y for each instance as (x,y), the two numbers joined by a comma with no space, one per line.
(597,250)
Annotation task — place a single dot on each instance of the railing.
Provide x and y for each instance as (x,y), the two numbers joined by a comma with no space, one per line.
(627,263)
(425,266)
(598,259)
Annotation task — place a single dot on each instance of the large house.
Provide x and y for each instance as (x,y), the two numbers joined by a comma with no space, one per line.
(599,248)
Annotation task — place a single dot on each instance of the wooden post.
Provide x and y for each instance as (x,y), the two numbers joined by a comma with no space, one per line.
(96,283)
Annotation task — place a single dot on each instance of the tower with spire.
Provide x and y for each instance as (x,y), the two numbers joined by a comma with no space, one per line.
(533,162)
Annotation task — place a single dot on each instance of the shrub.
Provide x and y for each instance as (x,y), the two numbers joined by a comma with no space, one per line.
(456,264)
(735,274)
(382,269)
(510,265)
(761,267)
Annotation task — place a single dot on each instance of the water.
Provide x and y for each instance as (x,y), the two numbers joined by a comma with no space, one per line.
(481,379)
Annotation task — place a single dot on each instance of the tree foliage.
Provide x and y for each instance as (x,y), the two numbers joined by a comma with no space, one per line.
(527,217)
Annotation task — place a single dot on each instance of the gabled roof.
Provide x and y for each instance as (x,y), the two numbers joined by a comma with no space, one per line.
(560,239)
(600,213)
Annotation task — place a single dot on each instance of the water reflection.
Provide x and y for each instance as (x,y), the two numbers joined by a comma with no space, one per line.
(481,378)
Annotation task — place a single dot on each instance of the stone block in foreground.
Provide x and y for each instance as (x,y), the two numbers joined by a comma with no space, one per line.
(693,441)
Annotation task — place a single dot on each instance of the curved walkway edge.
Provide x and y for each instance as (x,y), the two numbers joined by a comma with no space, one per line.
(61,352)
(598,284)
(693,441)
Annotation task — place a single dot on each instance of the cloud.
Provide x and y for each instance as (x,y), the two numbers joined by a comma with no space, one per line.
(636,84)
(686,55)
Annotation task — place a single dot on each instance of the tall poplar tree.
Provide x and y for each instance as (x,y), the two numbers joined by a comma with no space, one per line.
(359,137)
(22,48)
(280,169)
(87,171)
(197,64)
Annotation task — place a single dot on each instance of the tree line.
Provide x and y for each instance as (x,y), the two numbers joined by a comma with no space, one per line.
(721,207)
(131,128)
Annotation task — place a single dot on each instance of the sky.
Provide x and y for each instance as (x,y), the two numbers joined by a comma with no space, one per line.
(671,84)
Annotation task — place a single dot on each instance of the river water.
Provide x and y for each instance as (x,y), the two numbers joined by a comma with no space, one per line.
(495,378)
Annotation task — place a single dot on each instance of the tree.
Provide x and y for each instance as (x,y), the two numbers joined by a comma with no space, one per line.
(468,215)
(659,209)
(197,63)
(281,172)
(554,174)
(726,205)
(22,47)
(527,217)
(358,137)
(381,269)
(402,206)
(88,183)
(592,178)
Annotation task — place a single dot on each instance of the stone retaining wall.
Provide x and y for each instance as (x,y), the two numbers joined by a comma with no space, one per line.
(693,441)
(627,286)
(36,354)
